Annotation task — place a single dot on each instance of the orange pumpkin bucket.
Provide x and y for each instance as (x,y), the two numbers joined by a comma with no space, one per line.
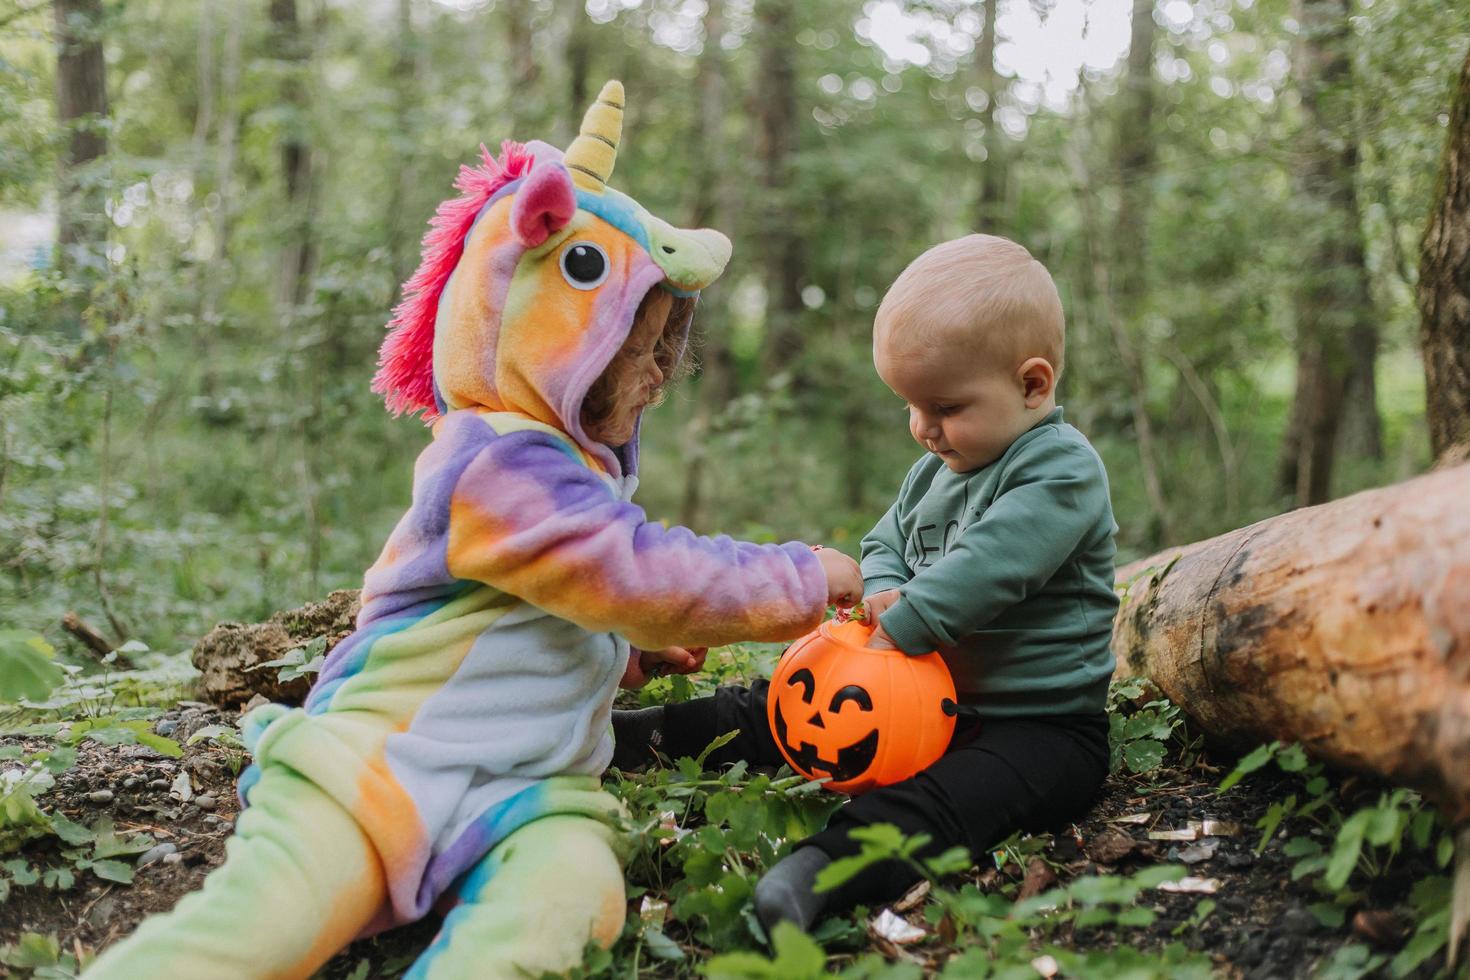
(863,717)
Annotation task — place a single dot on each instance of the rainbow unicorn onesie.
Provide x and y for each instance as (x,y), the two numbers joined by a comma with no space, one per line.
(449,754)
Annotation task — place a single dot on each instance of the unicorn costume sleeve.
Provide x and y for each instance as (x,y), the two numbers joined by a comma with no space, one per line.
(451,747)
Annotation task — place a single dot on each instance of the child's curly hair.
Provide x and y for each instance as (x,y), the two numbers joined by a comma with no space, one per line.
(602,400)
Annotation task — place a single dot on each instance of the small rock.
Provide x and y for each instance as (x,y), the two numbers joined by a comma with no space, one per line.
(100,796)
(158,784)
(1240,859)
(1298,920)
(130,782)
(167,726)
(101,912)
(173,858)
(156,853)
(205,802)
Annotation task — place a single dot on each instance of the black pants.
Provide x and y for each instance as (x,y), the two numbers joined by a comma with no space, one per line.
(997,776)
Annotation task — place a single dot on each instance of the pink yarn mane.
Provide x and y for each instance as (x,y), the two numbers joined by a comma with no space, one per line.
(405,375)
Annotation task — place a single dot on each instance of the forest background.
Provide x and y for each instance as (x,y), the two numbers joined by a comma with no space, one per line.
(207,208)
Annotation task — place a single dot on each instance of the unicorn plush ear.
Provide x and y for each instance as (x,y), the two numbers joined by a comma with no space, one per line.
(543,204)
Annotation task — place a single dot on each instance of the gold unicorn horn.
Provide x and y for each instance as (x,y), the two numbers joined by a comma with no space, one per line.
(593,153)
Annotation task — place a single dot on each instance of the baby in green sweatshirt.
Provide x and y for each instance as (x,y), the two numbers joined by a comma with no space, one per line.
(998,552)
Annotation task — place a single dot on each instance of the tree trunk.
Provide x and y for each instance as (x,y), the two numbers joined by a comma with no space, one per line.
(717,369)
(81,110)
(776,128)
(1345,627)
(990,211)
(1135,164)
(403,224)
(1332,299)
(291,45)
(1444,291)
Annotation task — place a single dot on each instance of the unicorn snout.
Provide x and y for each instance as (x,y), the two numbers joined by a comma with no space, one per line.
(690,259)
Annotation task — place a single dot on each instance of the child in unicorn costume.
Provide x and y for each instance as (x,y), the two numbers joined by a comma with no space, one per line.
(450,751)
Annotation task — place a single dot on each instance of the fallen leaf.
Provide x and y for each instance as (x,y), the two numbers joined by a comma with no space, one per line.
(1379,926)
(1203,851)
(1111,846)
(1046,965)
(1183,833)
(1219,828)
(1039,877)
(182,789)
(1192,886)
(653,911)
(912,898)
(1143,817)
(895,929)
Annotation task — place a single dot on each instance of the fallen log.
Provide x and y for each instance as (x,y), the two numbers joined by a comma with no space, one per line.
(1344,627)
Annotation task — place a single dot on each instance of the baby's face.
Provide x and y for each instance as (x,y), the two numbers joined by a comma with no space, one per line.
(963,412)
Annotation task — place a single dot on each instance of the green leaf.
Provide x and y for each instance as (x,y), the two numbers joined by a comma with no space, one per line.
(26,668)
(1330,914)
(59,878)
(1136,917)
(1249,764)
(32,951)
(1293,758)
(71,832)
(1345,851)
(661,946)
(113,871)
(1143,755)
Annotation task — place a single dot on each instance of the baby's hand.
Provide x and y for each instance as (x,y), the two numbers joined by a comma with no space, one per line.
(880,640)
(844,578)
(645,665)
(877,603)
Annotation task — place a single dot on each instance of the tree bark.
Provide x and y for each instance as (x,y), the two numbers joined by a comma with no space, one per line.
(291,45)
(81,109)
(776,129)
(1444,291)
(990,211)
(717,369)
(1135,162)
(1332,300)
(1345,627)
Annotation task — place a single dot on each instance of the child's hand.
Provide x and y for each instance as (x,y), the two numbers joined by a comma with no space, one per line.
(877,603)
(844,578)
(645,665)
(880,639)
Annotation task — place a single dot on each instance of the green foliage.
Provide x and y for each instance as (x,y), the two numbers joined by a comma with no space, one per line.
(1138,733)
(26,667)
(302,661)
(1341,851)
(41,955)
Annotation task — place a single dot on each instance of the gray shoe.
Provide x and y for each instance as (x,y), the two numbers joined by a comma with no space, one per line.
(784,893)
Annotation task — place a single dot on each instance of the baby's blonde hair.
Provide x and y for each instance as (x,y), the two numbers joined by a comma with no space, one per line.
(981,291)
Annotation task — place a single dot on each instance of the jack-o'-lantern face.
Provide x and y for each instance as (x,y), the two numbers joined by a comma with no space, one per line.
(835,738)
(857,716)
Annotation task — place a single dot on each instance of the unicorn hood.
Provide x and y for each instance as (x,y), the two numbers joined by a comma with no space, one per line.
(530,281)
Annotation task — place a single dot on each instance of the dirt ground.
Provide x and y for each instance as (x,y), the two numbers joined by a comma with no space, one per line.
(1261,927)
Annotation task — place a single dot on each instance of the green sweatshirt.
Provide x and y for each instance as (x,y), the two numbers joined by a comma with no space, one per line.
(1008,571)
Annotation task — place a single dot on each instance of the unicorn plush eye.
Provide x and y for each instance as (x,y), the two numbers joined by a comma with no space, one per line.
(584,265)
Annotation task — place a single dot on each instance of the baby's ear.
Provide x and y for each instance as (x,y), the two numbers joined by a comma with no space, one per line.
(1038,380)
(544,203)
